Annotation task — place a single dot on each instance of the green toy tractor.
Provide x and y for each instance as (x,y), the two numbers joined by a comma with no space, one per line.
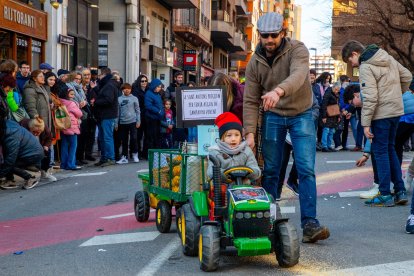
(236,215)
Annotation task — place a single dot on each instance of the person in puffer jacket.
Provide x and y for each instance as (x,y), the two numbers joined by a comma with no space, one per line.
(154,113)
(69,135)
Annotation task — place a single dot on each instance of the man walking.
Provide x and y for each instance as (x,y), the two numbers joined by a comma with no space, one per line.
(278,76)
(383,80)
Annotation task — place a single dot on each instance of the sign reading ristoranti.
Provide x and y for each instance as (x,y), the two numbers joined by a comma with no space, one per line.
(199,106)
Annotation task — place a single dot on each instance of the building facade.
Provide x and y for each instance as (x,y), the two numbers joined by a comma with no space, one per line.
(119,37)
(23,31)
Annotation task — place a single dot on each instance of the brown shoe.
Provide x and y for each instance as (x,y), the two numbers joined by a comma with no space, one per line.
(8,185)
(357,149)
(31,183)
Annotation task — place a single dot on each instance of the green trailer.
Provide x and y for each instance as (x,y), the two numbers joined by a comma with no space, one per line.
(172,178)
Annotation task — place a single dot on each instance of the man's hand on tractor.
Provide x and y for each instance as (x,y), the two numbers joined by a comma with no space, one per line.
(250,140)
(270,99)
(361,161)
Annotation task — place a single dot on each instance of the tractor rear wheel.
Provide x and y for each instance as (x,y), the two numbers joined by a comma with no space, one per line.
(190,230)
(209,248)
(163,216)
(178,220)
(286,244)
(141,206)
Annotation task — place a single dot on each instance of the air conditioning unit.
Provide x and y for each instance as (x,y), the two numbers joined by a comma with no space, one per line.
(166,44)
(145,29)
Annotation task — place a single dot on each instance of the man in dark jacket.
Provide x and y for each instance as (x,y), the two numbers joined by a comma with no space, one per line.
(21,150)
(106,111)
(179,134)
(23,75)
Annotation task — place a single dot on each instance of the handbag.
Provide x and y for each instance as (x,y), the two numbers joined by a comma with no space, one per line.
(333,110)
(61,118)
(20,114)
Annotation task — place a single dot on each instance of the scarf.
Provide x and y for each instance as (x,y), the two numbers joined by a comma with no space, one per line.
(224,147)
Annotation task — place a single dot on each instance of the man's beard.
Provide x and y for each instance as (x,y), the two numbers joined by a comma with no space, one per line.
(270,52)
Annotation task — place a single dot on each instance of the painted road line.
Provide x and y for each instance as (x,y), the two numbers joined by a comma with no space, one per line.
(161,258)
(350,194)
(340,161)
(121,238)
(123,215)
(119,216)
(89,174)
(399,268)
(288,210)
(143,171)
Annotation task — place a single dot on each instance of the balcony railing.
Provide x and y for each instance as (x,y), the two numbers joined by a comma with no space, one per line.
(187,18)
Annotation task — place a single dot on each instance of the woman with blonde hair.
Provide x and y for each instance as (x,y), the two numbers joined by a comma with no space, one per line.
(234,93)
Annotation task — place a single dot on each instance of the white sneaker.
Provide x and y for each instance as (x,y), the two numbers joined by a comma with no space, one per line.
(31,182)
(371,192)
(408,181)
(338,148)
(48,176)
(135,157)
(123,160)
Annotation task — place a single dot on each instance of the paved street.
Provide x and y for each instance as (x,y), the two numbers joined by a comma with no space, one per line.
(84,225)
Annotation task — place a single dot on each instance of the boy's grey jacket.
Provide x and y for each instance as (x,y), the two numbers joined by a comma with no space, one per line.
(244,158)
(129,111)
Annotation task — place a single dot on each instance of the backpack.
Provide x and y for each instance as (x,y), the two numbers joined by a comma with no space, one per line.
(61,118)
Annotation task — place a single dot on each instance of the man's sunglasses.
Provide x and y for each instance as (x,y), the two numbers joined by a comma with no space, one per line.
(272,35)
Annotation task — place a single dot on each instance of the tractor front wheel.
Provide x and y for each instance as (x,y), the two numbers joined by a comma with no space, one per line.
(209,248)
(163,216)
(141,206)
(286,244)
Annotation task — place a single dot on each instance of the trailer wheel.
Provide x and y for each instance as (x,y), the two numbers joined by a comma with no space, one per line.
(163,216)
(190,230)
(141,206)
(286,244)
(209,248)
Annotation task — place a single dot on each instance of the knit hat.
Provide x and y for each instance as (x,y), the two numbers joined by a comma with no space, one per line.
(227,121)
(271,22)
(154,84)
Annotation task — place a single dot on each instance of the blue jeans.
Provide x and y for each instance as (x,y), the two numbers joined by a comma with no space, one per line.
(68,151)
(303,135)
(327,136)
(388,166)
(354,123)
(106,139)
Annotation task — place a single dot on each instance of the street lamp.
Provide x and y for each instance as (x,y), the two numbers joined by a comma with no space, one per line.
(314,49)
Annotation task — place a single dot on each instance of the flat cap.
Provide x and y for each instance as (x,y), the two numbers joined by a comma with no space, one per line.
(45,66)
(270,22)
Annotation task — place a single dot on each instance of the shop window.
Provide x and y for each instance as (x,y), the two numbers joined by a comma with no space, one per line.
(72,17)
(5,45)
(22,45)
(83,20)
(82,51)
(36,53)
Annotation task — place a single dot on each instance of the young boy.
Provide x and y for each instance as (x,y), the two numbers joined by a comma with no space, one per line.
(231,150)
(129,121)
(167,126)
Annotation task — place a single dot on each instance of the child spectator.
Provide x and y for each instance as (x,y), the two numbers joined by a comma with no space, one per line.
(167,125)
(129,121)
(69,135)
(37,127)
(154,113)
(330,121)
(230,149)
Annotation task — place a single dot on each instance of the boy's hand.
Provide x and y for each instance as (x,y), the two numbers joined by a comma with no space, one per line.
(250,140)
(367,132)
(361,161)
(137,125)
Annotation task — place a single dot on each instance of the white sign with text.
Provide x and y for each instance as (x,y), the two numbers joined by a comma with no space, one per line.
(204,104)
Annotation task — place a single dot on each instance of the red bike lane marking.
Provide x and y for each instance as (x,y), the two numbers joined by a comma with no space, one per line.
(32,232)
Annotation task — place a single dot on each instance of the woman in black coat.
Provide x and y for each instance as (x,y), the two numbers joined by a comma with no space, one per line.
(139,88)
(329,122)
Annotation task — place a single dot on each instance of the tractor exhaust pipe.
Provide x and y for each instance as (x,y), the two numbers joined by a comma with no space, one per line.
(216,180)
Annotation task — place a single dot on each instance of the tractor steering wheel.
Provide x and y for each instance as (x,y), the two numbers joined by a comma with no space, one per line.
(237,172)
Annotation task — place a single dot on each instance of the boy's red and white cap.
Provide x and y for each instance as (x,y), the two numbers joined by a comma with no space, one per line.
(227,121)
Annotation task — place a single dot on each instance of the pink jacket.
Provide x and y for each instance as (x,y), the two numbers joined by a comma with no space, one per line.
(75,114)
